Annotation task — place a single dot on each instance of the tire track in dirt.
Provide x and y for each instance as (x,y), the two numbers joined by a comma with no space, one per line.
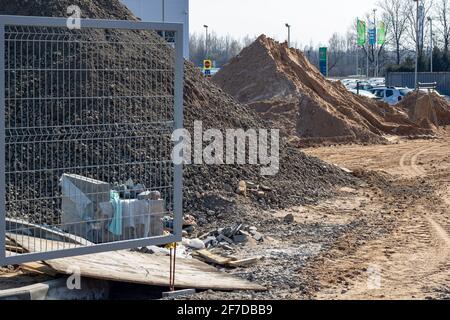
(440,231)
(412,262)
(411,157)
(413,259)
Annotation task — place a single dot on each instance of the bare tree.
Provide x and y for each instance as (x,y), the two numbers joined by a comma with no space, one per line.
(395,15)
(220,48)
(412,17)
(442,11)
(337,49)
(248,40)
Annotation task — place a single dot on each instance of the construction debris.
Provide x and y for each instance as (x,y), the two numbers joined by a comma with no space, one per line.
(210,257)
(242,188)
(193,243)
(245,262)
(152,269)
(233,235)
(289,218)
(213,258)
(125,210)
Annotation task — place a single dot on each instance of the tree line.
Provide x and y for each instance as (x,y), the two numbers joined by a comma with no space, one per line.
(346,58)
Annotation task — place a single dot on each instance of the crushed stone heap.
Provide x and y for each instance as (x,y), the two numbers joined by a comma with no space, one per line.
(300,179)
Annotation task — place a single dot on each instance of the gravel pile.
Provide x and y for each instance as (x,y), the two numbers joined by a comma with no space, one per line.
(301,178)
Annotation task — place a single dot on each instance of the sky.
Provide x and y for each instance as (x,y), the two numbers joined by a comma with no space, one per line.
(311,20)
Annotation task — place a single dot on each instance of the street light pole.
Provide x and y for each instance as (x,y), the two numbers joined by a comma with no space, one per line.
(417,46)
(375,73)
(367,59)
(357,52)
(163,13)
(431,43)
(206,41)
(289,35)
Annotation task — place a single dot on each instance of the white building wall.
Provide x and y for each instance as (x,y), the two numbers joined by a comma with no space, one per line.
(152,11)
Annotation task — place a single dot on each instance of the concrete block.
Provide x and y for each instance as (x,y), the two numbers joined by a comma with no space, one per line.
(97,191)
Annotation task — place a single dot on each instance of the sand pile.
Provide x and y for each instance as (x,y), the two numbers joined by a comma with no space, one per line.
(206,187)
(267,72)
(427,109)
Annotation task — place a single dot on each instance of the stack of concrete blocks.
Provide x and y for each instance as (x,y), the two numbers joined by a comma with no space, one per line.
(141,218)
(81,214)
(87,211)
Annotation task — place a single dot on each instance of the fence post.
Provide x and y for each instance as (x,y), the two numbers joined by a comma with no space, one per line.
(2,146)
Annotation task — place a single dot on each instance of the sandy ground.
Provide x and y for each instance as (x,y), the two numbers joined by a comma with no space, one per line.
(387,239)
(413,261)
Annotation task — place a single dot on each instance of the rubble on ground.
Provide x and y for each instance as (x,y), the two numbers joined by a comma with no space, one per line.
(232,235)
(283,86)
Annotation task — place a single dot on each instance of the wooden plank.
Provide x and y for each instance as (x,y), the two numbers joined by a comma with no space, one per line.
(15,249)
(244,262)
(9,242)
(133,267)
(212,258)
(33,244)
(38,267)
(45,232)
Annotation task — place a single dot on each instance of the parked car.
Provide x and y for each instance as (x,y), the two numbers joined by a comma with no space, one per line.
(362,86)
(391,95)
(348,82)
(364,93)
(377,82)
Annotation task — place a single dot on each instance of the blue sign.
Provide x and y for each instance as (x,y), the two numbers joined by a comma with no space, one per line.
(323,68)
(372,36)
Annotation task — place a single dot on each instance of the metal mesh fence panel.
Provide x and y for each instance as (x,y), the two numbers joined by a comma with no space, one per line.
(88,117)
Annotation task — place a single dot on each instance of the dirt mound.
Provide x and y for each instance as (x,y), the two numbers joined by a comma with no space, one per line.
(301,178)
(427,109)
(267,71)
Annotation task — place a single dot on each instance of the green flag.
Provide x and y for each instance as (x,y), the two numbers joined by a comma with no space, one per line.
(361,30)
(381,33)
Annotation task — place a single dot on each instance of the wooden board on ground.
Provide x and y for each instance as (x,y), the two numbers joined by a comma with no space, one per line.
(38,267)
(244,262)
(133,267)
(15,249)
(208,256)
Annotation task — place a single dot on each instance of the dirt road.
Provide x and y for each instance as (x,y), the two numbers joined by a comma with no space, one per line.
(413,259)
(387,238)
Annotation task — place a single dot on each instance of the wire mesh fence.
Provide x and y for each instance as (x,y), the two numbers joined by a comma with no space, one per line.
(88,117)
